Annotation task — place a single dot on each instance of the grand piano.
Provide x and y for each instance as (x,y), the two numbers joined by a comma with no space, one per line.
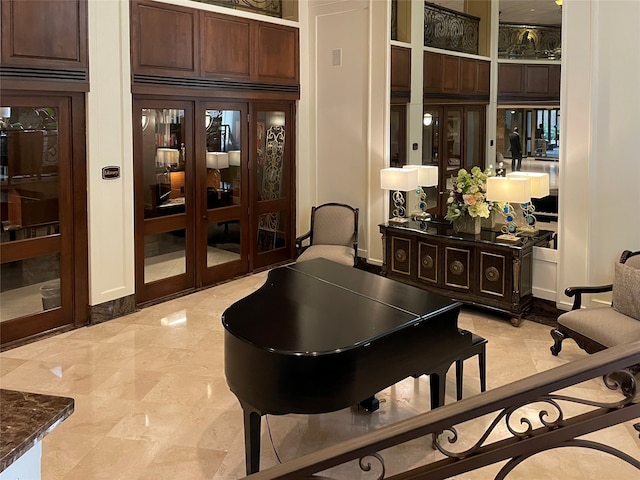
(319,337)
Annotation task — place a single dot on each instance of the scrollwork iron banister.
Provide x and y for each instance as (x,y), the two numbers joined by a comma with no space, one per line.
(450,29)
(619,366)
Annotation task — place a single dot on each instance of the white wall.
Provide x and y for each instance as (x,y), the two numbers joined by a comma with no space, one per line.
(109,142)
(348,111)
(599,164)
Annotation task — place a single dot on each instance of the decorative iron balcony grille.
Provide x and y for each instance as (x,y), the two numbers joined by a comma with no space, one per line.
(449,29)
(394,19)
(273,8)
(529,41)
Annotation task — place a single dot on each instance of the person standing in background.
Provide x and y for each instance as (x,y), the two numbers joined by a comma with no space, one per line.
(516,150)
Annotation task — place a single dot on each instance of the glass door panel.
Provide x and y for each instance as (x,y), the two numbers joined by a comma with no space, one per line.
(164,211)
(431,154)
(222,247)
(36,286)
(474,137)
(272,185)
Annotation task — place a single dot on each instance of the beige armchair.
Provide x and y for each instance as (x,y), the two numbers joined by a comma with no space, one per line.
(595,329)
(333,235)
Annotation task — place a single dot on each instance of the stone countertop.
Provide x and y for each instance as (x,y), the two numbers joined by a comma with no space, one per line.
(25,419)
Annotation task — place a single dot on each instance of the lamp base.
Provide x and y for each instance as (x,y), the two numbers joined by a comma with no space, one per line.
(398,221)
(528,231)
(507,237)
(420,215)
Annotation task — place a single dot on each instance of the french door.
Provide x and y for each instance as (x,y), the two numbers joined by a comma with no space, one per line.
(43,284)
(213,192)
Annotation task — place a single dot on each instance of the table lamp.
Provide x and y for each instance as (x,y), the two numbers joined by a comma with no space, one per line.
(215,162)
(427,177)
(539,189)
(398,180)
(506,190)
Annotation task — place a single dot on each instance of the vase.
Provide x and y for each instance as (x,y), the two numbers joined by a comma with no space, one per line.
(467,224)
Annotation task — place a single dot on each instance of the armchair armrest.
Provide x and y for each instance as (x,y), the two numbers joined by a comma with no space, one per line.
(354,241)
(578,291)
(300,240)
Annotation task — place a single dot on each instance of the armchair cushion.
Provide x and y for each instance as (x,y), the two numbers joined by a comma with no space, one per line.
(333,225)
(336,253)
(626,290)
(605,325)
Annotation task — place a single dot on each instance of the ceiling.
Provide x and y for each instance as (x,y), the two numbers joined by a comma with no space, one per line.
(542,12)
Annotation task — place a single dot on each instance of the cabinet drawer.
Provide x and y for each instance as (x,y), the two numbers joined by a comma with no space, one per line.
(428,260)
(457,268)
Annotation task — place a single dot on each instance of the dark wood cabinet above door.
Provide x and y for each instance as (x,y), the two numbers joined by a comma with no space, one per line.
(527,83)
(174,41)
(454,78)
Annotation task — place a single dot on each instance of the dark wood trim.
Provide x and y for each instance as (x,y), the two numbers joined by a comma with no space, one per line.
(23,249)
(205,92)
(37,86)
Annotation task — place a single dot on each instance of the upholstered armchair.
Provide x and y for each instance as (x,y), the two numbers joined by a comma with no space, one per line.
(333,235)
(595,329)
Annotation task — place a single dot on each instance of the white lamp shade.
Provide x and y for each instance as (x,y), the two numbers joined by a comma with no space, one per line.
(427,175)
(539,182)
(402,179)
(509,189)
(217,160)
(167,156)
(234,158)
(5,112)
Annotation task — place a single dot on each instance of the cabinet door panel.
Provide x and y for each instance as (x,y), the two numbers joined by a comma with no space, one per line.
(510,79)
(468,76)
(458,268)
(537,80)
(400,69)
(164,40)
(432,72)
(29,27)
(225,46)
(450,74)
(428,261)
(493,274)
(401,256)
(277,54)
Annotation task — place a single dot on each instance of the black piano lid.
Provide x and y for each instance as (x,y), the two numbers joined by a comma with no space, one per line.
(299,313)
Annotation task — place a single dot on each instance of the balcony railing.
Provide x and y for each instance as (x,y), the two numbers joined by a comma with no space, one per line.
(529,41)
(273,8)
(449,29)
(529,417)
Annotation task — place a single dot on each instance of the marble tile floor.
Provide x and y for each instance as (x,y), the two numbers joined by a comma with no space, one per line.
(152,400)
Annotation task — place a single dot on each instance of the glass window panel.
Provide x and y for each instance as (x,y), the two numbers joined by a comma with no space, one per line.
(223,157)
(473,139)
(454,137)
(271,234)
(163,157)
(223,242)
(164,255)
(270,137)
(29,181)
(29,286)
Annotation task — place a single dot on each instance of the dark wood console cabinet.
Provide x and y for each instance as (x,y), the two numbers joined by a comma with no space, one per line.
(474,269)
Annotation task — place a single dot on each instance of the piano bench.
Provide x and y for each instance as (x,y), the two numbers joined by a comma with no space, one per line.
(478,347)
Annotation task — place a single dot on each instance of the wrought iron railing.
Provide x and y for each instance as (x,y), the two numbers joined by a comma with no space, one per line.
(394,19)
(529,41)
(533,414)
(273,8)
(450,29)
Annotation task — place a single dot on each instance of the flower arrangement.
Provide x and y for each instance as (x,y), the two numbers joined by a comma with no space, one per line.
(468,195)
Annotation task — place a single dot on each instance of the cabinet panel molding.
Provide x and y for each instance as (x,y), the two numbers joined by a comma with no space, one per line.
(164,39)
(276,53)
(401,251)
(226,46)
(44,34)
(400,72)
(428,264)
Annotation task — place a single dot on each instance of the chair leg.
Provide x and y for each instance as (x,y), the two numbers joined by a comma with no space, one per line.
(459,372)
(558,337)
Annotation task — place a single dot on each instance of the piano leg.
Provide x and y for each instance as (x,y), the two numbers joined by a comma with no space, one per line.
(252,424)
(437,383)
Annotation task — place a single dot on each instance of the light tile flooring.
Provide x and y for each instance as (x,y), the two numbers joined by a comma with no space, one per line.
(152,402)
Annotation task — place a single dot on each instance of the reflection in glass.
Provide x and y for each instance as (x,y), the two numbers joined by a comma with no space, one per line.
(473,139)
(223,242)
(29,181)
(271,235)
(270,137)
(163,156)
(29,286)
(164,255)
(454,126)
(223,157)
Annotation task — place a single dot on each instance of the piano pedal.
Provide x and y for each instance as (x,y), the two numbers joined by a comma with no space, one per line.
(369,405)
